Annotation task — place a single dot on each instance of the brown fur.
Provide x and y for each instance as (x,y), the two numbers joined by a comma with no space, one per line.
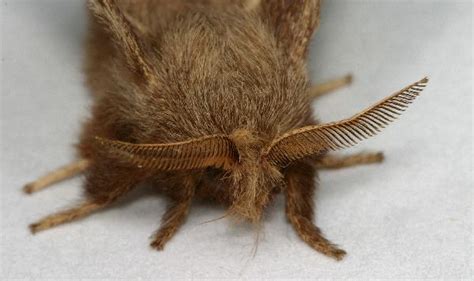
(217,87)
(233,80)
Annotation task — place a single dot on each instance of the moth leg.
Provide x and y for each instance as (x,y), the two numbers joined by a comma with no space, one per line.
(56,176)
(299,209)
(176,213)
(53,220)
(330,86)
(338,162)
(104,185)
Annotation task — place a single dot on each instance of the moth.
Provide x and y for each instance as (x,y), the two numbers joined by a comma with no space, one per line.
(211,100)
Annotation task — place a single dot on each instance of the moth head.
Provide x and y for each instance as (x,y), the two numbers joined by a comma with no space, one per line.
(252,180)
(254,167)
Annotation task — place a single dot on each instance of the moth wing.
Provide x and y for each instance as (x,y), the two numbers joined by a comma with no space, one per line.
(293,23)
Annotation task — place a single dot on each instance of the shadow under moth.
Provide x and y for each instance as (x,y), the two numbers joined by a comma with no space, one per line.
(211,100)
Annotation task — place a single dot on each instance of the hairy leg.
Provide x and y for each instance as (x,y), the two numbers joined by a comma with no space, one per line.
(53,220)
(329,86)
(338,162)
(104,185)
(56,176)
(177,212)
(300,210)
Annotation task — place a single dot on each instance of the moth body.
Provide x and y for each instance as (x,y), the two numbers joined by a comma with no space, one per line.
(211,100)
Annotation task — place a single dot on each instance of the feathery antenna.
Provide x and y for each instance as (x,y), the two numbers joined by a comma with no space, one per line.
(212,151)
(312,140)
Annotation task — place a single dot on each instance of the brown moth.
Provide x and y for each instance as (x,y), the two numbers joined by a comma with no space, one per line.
(211,99)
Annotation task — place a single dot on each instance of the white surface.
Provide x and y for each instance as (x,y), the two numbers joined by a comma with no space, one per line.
(408,218)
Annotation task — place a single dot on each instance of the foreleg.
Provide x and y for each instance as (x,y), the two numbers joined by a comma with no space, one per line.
(300,188)
(176,214)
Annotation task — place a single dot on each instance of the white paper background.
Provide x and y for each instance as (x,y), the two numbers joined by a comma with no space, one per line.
(408,218)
